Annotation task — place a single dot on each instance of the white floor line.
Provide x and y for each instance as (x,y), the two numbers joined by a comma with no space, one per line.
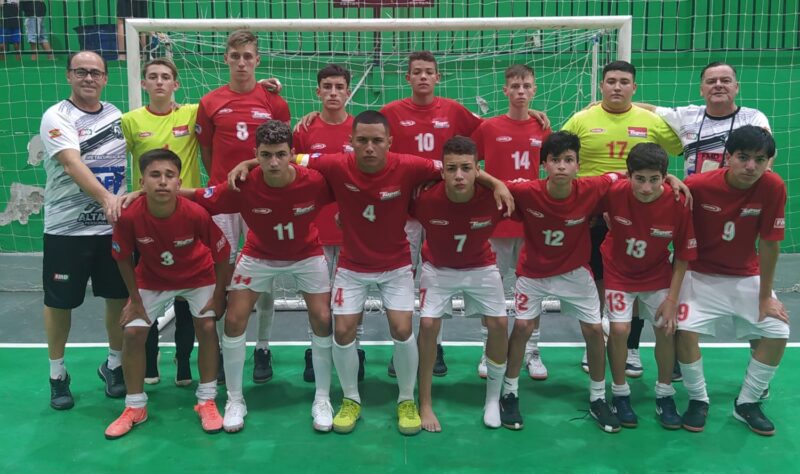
(710,345)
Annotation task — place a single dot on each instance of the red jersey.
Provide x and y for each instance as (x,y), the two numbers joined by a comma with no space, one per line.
(176,252)
(280,220)
(422,129)
(556,230)
(322,137)
(456,234)
(636,249)
(728,221)
(510,150)
(227,122)
(373,207)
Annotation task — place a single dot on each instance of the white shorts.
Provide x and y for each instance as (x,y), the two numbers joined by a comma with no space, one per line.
(482,288)
(706,298)
(350,290)
(575,290)
(155,303)
(415,234)
(332,256)
(233,227)
(256,274)
(618,306)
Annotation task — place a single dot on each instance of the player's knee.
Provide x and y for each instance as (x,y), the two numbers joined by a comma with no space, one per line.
(135,335)
(494,324)
(619,330)
(204,327)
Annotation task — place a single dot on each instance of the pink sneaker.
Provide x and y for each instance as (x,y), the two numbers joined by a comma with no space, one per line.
(210,418)
(122,425)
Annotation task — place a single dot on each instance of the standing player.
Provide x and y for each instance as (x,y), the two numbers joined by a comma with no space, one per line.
(607,133)
(226,122)
(178,244)
(458,218)
(736,209)
(279,202)
(85,168)
(643,220)
(509,144)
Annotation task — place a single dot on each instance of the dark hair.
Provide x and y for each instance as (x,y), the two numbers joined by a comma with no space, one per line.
(647,156)
(158,154)
(371,117)
(422,56)
(716,64)
(273,132)
(333,70)
(623,66)
(459,145)
(750,138)
(558,143)
(72,55)
(518,70)
(161,62)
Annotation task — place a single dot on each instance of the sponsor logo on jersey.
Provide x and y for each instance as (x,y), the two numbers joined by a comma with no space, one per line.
(536,142)
(665,233)
(54,133)
(503,139)
(347,149)
(261,210)
(534,213)
(751,210)
(440,123)
(60,276)
(318,146)
(351,187)
(145,240)
(389,193)
(183,242)
(226,110)
(711,208)
(575,221)
(303,208)
(221,243)
(115,246)
(261,115)
(597,130)
(198,129)
(209,192)
(780,223)
(117,129)
(637,132)
(145,134)
(438,222)
(691,244)
(408,123)
(480,223)
(85,132)
(690,136)
(623,220)
(180,131)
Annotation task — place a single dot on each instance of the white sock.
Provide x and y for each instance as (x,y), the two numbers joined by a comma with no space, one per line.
(533,342)
(262,346)
(136,400)
(114,359)
(265,310)
(623,390)
(406,364)
(756,380)
(484,337)
(206,391)
(694,381)
(494,383)
(664,390)
(359,334)
(509,385)
(57,369)
(439,335)
(233,359)
(597,390)
(310,332)
(321,357)
(345,359)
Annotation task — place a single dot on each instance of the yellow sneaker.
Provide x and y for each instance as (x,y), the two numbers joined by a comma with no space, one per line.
(345,421)
(408,421)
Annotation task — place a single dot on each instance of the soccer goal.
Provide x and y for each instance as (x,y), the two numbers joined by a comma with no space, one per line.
(566,54)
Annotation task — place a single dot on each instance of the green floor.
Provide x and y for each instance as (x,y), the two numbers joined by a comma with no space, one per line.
(279,438)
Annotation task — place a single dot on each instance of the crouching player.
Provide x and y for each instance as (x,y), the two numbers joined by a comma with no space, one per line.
(178,244)
(643,219)
(458,218)
(735,209)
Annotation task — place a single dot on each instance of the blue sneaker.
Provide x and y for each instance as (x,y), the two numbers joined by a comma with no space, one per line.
(668,414)
(115,383)
(621,406)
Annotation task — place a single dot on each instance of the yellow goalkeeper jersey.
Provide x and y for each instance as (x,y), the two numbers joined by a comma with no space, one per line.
(606,138)
(145,130)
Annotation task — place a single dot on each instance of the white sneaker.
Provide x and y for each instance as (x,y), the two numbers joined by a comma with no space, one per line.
(235,411)
(322,412)
(585,362)
(536,368)
(483,372)
(491,415)
(633,364)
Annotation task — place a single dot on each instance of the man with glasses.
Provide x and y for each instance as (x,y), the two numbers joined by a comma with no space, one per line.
(85,166)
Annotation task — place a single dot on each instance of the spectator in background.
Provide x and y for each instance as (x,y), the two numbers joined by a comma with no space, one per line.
(34,12)
(9,32)
(129,9)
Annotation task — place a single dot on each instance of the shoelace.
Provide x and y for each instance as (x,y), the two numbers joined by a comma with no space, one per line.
(408,410)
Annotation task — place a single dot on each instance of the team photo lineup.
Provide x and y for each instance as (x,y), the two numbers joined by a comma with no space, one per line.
(420,190)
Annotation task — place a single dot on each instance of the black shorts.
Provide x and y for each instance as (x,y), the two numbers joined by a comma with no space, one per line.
(68,263)
(132,9)
(598,234)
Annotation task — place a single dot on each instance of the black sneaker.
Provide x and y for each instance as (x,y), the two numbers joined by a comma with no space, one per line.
(308,372)
(755,419)
(607,421)
(362,358)
(667,413)
(510,416)
(621,406)
(390,370)
(677,376)
(115,383)
(183,374)
(221,370)
(60,396)
(439,367)
(694,419)
(262,366)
